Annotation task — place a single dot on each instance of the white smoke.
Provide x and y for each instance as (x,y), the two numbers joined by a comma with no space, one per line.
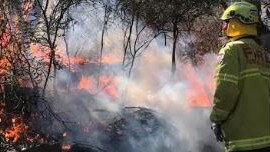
(151,85)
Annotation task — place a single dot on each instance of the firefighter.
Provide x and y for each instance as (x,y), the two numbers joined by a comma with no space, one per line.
(241,112)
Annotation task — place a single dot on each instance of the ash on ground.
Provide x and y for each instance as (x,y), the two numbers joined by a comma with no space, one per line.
(134,129)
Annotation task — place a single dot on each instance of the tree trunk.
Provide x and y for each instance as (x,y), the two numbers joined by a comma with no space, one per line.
(127,43)
(104,28)
(165,39)
(175,38)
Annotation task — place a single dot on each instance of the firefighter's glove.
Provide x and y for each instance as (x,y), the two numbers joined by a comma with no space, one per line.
(217,130)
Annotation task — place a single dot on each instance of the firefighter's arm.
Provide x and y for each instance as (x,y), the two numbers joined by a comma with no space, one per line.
(226,81)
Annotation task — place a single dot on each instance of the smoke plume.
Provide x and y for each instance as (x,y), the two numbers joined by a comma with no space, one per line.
(181,103)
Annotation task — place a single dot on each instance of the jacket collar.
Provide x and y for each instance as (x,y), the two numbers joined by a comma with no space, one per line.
(241,37)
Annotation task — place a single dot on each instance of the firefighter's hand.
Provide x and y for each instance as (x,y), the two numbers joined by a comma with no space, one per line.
(217,130)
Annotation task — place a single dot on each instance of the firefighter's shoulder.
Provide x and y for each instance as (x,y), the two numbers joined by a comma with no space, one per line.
(231,46)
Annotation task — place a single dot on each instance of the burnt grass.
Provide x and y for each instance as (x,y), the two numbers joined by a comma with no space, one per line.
(123,133)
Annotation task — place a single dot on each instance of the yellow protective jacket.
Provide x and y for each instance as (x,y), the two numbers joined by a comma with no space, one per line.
(242,98)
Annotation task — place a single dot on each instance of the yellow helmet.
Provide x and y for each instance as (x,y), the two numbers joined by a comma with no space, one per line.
(257,3)
(245,12)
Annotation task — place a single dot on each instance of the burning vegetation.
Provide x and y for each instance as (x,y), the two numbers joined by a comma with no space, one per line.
(56,97)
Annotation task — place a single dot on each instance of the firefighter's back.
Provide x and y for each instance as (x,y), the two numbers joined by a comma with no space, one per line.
(248,127)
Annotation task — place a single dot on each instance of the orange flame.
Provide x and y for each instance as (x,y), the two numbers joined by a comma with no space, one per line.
(109,86)
(66,147)
(106,85)
(14,128)
(86,83)
(5,38)
(42,52)
(4,66)
(197,93)
(14,133)
(111,59)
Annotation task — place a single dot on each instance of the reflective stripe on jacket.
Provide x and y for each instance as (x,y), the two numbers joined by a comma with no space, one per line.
(241,99)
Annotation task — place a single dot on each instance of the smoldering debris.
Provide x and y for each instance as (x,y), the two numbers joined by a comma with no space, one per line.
(139,129)
(134,129)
